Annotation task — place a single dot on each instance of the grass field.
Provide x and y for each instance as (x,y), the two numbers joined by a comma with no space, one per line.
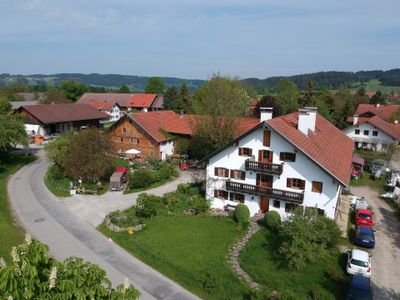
(375,85)
(190,250)
(325,276)
(10,233)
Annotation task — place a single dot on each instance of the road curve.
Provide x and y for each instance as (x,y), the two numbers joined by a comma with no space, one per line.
(50,221)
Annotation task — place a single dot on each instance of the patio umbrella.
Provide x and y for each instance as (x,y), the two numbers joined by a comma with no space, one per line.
(132,151)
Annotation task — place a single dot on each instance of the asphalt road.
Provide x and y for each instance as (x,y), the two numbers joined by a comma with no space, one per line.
(386,255)
(51,222)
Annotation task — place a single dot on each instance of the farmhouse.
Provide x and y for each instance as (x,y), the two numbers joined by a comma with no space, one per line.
(283,162)
(113,110)
(372,128)
(48,119)
(151,132)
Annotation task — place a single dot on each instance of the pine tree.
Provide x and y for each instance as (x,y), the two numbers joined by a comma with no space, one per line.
(170,98)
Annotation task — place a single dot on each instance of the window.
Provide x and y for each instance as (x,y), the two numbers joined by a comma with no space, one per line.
(122,139)
(287,156)
(267,138)
(222,172)
(245,151)
(134,141)
(366,132)
(316,187)
(296,183)
(277,204)
(375,133)
(236,197)
(238,174)
(124,130)
(221,194)
(357,131)
(289,207)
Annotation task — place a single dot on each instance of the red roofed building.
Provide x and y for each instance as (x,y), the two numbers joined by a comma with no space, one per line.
(372,128)
(48,119)
(150,132)
(126,101)
(299,159)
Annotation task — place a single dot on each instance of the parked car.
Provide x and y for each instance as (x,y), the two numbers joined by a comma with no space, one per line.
(360,288)
(358,202)
(364,217)
(358,261)
(365,237)
(378,165)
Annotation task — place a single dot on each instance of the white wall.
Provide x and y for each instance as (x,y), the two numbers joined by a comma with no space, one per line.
(166,149)
(302,168)
(33,129)
(373,142)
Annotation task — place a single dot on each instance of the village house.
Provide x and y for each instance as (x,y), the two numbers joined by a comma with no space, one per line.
(299,159)
(152,133)
(372,128)
(49,119)
(127,102)
(113,110)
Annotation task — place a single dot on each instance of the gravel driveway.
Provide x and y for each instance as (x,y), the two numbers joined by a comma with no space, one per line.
(386,255)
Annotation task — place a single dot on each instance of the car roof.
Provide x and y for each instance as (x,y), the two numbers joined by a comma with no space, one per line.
(365,229)
(363,211)
(359,255)
(360,282)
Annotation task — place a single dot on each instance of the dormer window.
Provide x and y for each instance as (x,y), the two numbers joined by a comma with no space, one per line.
(245,152)
(287,156)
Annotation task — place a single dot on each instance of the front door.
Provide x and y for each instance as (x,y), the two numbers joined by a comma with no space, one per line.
(264,180)
(264,204)
(265,156)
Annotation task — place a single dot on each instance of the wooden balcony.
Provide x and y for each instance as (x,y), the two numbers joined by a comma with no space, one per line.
(262,191)
(263,167)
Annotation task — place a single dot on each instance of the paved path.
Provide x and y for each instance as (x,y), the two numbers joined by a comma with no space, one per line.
(52,223)
(93,209)
(386,255)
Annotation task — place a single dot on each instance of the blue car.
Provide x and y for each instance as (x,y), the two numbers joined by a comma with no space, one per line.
(360,288)
(365,237)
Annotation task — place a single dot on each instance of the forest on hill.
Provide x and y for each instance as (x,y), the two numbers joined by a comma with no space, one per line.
(331,80)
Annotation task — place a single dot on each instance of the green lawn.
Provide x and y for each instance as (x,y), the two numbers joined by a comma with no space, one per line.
(10,233)
(261,261)
(374,85)
(154,185)
(190,250)
(368,179)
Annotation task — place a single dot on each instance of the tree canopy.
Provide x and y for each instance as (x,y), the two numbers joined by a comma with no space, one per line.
(34,275)
(124,89)
(12,128)
(155,85)
(72,89)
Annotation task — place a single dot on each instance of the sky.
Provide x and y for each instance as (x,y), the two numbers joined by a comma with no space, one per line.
(196,38)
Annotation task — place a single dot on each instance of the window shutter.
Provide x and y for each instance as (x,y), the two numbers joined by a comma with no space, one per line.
(270,153)
(302,184)
(243,176)
(226,172)
(240,151)
(267,138)
(216,171)
(281,156)
(260,155)
(293,156)
(232,174)
(250,152)
(216,193)
(289,182)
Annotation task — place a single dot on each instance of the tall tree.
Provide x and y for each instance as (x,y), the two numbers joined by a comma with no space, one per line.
(54,95)
(268,101)
(377,98)
(12,128)
(288,95)
(184,99)
(170,98)
(220,101)
(124,89)
(155,85)
(308,96)
(72,89)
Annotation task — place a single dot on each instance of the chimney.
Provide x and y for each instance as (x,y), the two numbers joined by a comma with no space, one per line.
(307,119)
(355,119)
(265,113)
(181,112)
(377,105)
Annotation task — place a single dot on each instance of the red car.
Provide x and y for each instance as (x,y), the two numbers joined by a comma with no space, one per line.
(364,217)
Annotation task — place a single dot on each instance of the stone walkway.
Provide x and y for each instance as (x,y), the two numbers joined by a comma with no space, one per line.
(342,215)
(233,256)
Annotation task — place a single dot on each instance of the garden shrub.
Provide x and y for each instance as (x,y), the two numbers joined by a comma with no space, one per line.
(147,205)
(166,171)
(272,220)
(55,172)
(141,179)
(199,204)
(241,213)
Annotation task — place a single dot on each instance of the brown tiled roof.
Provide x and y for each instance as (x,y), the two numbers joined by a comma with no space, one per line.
(158,102)
(102,105)
(155,121)
(141,100)
(327,146)
(120,98)
(382,111)
(66,112)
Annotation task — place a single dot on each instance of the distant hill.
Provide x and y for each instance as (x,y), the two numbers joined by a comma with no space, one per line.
(331,80)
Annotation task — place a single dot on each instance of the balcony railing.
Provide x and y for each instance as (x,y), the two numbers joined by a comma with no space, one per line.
(262,191)
(263,167)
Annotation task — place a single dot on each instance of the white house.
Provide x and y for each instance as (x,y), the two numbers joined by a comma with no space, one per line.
(373,133)
(113,110)
(283,162)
